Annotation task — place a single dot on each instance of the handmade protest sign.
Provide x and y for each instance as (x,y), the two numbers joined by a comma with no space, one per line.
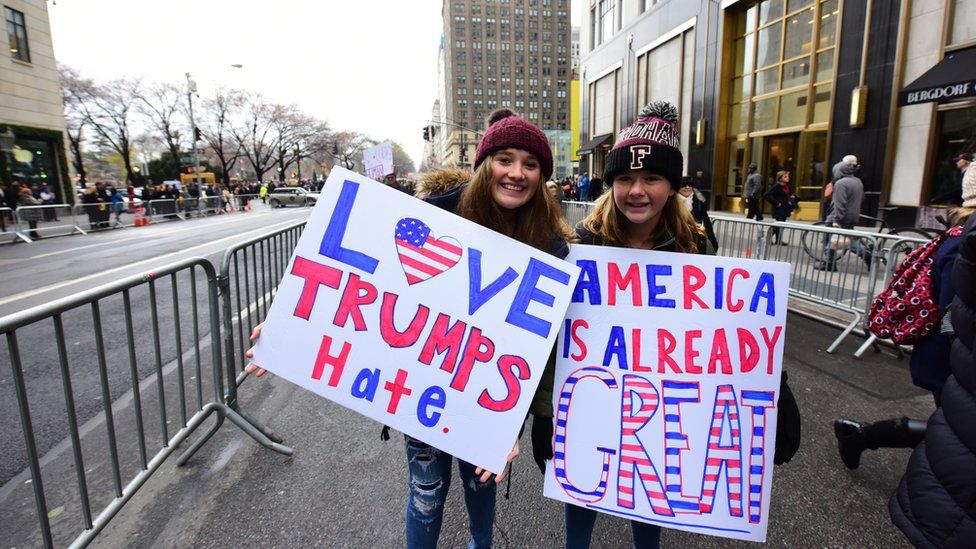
(667,377)
(417,318)
(378,160)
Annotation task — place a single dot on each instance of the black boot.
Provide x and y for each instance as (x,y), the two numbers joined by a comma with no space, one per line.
(850,441)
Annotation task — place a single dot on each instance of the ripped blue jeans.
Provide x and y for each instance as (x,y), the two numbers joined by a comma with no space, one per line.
(430,479)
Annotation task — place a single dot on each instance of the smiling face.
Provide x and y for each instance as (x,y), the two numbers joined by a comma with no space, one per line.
(640,196)
(515,177)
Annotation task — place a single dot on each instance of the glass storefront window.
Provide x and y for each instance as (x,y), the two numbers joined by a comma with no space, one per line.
(811,170)
(799,32)
(32,162)
(745,21)
(770,10)
(765,114)
(739,119)
(737,159)
(956,134)
(741,88)
(825,66)
(767,81)
(793,109)
(796,73)
(828,24)
(769,41)
(797,4)
(821,104)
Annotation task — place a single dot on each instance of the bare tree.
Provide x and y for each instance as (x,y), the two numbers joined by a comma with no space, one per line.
(255,133)
(75,89)
(402,162)
(349,147)
(162,103)
(109,110)
(215,128)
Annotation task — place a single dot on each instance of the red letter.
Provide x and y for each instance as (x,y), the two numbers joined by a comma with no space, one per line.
(616,281)
(737,306)
(314,274)
(578,357)
(694,279)
(770,345)
(337,362)
(352,299)
(748,350)
(691,353)
(478,349)
(442,339)
(397,389)
(388,330)
(666,344)
(505,364)
(720,353)
(635,344)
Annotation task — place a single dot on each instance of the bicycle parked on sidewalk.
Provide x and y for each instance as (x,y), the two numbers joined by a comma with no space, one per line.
(818,246)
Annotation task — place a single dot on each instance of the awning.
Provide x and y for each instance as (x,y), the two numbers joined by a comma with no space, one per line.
(952,78)
(587,147)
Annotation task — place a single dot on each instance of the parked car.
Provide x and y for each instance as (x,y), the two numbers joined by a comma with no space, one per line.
(285,196)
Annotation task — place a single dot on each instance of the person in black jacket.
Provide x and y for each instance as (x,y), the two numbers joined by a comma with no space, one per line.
(783,202)
(694,200)
(935,502)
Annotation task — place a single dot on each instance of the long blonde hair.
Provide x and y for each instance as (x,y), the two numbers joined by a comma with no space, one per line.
(607,222)
(537,223)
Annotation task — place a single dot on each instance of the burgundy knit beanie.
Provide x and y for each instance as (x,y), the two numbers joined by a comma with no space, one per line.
(651,143)
(507,131)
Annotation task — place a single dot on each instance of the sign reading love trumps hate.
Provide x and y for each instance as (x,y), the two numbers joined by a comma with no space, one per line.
(417,318)
(667,378)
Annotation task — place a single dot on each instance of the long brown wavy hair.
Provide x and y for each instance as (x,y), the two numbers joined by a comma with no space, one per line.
(608,223)
(537,223)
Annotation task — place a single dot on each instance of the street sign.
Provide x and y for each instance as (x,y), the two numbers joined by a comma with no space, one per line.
(186,159)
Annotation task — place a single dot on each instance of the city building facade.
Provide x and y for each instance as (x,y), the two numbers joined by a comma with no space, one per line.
(32,124)
(504,53)
(789,85)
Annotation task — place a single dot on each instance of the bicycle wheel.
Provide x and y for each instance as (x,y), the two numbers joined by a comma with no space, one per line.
(813,242)
(912,232)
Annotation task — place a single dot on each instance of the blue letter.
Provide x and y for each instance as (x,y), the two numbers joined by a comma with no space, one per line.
(653,290)
(528,292)
(719,284)
(476,296)
(365,384)
(433,397)
(765,288)
(589,281)
(332,240)
(616,345)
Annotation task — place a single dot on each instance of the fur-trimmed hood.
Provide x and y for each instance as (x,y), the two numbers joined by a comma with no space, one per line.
(440,182)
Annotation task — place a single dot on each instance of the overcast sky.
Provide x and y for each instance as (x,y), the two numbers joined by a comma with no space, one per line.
(368,65)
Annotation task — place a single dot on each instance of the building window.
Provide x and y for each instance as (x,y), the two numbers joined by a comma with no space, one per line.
(606,20)
(17,35)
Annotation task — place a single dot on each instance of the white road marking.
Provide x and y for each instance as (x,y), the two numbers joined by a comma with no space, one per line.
(153,260)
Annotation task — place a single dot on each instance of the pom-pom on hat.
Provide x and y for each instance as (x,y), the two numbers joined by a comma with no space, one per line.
(651,143)
(507,131)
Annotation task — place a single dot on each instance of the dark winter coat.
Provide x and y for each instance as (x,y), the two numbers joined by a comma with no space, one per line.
(930,356)
(845,203)
(779,197)
(935,503)
(443,189)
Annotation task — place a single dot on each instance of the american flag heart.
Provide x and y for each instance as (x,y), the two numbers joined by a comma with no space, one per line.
(421,255)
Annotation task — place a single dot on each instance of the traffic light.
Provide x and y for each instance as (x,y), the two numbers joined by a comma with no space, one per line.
(196,134)
(426,133)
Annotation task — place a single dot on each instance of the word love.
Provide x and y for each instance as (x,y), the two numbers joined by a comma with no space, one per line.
(635,460)
(528,293)
(691,288)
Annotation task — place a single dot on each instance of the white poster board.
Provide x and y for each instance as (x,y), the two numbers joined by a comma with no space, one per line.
(378,160)
(667,377)
(417,318)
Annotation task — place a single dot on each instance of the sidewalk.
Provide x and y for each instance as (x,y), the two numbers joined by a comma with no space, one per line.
(346,488)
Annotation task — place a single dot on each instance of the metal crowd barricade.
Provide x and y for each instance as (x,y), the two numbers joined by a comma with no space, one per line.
(129,396)
(9,225)
(159,209)
(49,220)
(574,212)
(93,217)
(245,202)
(211,204)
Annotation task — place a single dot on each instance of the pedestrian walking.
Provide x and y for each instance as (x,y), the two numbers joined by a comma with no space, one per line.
(29,214)
(783,202)
(595,189)
(47,199)
(845,210)
(505,193)
(753,192)
(694,201)
(933,504)
(118,205)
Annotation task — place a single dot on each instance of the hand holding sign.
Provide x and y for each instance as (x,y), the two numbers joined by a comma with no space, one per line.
(251,367)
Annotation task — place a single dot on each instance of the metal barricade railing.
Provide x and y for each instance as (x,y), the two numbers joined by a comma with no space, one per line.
(159,209)
(9,226)
(49,220)
(128,397)
(94,217)
(574,212)
(245,202)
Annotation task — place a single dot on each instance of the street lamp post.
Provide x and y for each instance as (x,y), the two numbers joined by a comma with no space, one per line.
(191,88)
